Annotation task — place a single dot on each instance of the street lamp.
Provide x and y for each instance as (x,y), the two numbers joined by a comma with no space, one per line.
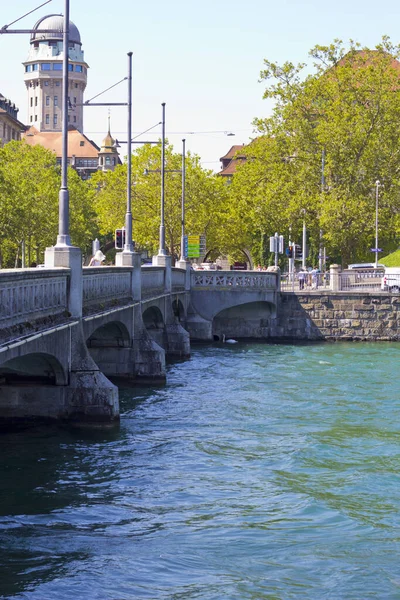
(183,171)
(376,249)
(63,238)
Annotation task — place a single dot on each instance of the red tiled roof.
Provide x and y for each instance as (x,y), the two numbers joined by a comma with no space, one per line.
(52,140)
(232,152)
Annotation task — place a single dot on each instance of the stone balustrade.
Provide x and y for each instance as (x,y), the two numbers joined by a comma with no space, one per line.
(153,280)
(178,278)
(103,284)
(234,280)
(32,294)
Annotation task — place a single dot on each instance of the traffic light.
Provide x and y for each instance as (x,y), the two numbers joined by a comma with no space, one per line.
(119,239)
(289,252)
(299,252)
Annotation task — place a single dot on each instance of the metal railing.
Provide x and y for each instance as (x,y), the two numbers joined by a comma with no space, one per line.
(307,282)
(351,280)
(360,281)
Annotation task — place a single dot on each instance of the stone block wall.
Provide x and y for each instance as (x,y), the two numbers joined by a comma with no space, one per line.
(338,316)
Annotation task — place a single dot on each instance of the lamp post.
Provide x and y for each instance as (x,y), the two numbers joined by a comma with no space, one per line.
(63,238)
(183,253)
(376,249)
(162,251)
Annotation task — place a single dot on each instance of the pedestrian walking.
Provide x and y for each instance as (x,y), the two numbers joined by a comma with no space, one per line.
(97,259)
(302,278)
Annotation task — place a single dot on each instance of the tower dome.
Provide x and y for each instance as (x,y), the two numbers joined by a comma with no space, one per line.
(55,22)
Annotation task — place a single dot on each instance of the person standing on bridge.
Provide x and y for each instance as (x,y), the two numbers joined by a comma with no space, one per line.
(97,259)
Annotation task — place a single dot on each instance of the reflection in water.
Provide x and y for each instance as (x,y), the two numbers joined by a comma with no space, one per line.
(260,471)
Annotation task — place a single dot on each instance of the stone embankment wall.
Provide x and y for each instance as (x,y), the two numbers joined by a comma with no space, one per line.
(338,316)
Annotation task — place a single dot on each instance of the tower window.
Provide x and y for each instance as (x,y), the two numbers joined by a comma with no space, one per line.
(31,101)
(57,67)
(45,66)
(35,67)
(28,68)
(70,67)
(35,100)
(78,68)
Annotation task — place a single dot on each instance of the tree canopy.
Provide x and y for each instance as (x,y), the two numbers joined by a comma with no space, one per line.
(334,131)
(205,199)
(29,185)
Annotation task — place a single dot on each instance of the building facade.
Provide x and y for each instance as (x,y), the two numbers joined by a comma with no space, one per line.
(44,72)
(10,127)
(43,79)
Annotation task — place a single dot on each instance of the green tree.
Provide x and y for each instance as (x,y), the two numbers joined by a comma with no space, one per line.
(205,199)
(347,111)
(29,186)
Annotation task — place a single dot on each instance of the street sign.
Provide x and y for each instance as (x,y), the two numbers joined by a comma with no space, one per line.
(193,246)
(376,249)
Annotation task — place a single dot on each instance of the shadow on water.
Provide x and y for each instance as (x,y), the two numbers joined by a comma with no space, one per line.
(44,472)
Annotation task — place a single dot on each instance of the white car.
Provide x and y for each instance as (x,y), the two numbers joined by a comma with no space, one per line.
(391,280)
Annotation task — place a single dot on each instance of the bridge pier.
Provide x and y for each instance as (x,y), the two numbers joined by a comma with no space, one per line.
(51,377)
(149,357)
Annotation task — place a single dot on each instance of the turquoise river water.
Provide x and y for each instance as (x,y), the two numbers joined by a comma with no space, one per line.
(259,471)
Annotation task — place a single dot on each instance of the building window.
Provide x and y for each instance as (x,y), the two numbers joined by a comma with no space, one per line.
(76,85)
(47,119)
(81,143)
(57,83)
(35,100)
(35,117)
(78,68)
(46,83)
(35,67)
(47,100)
(31,119)
(70,67)
(45,66)
(74,118)
(31,101)
(57,67)
(74,99)
(55,119)
(55,100)
(28,68)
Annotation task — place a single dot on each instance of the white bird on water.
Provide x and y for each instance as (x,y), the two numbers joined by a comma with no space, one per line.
(228,341)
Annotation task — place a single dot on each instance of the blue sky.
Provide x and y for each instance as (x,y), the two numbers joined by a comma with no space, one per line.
(202,59)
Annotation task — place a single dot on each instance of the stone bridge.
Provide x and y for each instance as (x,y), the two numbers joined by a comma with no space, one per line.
(66,331)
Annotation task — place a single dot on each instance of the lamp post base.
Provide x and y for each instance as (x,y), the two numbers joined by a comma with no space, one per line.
(161,260)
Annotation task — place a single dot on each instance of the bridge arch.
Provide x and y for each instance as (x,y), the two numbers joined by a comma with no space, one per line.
(33,368)
(178,310)
(247,320)
(153,318)
(113,334)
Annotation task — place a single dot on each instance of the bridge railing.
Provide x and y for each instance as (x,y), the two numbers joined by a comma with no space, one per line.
(178,278)
(153,280)
(30,294)
(103,284)
(235,280)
